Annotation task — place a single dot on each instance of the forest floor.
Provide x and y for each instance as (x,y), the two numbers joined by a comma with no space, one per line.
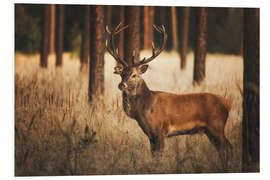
(57,132)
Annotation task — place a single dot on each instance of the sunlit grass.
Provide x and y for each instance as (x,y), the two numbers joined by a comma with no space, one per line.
(55,126)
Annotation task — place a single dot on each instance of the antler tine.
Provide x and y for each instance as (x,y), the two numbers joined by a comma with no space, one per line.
(133,58)
(157,28)
(113,51)
(156,52)
(118,31)
(108,31)
(118,26)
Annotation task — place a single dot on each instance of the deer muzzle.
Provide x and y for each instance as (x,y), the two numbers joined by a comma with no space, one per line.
(122,86)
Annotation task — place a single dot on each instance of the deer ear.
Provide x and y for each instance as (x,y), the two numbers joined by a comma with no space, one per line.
(118,70)
(143,68)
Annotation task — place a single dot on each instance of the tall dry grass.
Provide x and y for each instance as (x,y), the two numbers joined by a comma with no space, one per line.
(57,132)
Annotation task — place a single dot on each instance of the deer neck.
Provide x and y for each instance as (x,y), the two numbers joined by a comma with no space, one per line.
(142,89)
(131,102)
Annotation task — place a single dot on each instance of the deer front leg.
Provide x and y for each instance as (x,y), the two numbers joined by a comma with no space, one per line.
(157,145)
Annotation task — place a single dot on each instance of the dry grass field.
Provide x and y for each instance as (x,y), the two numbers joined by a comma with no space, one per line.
(57,132)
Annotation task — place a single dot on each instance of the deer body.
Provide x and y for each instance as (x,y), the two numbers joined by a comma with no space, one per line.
(161,115)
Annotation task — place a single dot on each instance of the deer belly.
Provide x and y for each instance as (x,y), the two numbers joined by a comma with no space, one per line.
(185,128)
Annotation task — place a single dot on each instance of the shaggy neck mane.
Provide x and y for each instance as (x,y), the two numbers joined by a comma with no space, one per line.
(142,89)
(129,101)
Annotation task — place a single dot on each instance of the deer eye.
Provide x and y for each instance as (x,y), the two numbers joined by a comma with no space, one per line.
(133,76)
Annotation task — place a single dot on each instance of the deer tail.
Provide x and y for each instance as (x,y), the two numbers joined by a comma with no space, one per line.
(226,103)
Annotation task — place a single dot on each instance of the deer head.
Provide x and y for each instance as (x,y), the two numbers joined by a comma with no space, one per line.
(131,74)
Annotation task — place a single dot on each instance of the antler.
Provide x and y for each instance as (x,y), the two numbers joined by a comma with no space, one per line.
(113,51)
(156,52)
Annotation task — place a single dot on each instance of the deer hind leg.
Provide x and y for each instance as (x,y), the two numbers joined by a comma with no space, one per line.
(222,145)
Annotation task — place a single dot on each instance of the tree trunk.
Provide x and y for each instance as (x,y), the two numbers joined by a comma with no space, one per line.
(45,38)
(132,33)
(241,48)
(52,28)
(96,65)
(162,15)
(85,40)
(109,16)
(184,41)
(199,45)
(151,22)
(148,24)
(241,40)
(174,28)
(146,27)
(161,18)
(121,34)
(251,131)
(60,35)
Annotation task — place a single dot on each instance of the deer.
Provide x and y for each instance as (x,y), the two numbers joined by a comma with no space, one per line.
(162,115)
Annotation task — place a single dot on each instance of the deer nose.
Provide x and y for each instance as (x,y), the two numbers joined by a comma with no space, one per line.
(122,86)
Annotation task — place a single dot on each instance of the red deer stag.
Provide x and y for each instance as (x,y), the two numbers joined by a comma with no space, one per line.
(161,114)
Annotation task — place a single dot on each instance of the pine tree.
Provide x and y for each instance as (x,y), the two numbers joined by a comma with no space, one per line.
(174,28)
(199,46)
(85,39)
(109,16)
(52,28)
(132,33)
(96,65)
(121,34)
(45,37)
(251,101)
(60,35)
(184,42)
(148,24)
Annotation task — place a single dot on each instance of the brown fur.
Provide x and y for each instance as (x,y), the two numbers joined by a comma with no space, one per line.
(168,113)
